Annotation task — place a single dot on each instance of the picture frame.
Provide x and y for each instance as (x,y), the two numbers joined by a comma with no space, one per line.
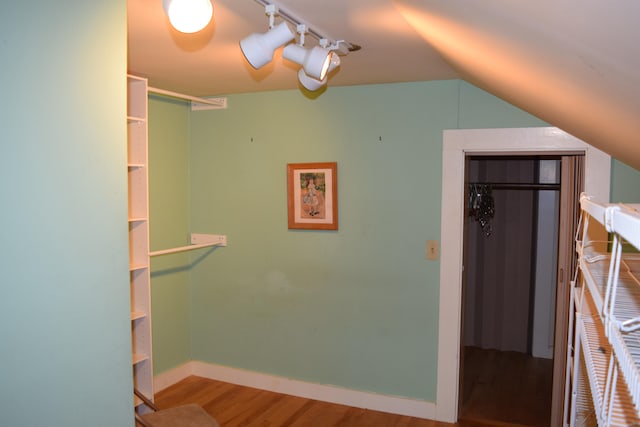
(312,196)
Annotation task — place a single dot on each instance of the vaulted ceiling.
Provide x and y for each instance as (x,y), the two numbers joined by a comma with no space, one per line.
(572,63)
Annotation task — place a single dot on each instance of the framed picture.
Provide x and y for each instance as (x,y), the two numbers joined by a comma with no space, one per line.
(312,195)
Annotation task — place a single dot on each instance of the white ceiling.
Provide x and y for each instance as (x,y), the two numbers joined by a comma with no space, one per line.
(573,63)
(211,63)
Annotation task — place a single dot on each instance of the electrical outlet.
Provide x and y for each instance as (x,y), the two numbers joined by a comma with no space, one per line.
(432,250)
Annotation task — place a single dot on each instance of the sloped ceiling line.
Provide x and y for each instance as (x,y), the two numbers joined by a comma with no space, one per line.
(543,73)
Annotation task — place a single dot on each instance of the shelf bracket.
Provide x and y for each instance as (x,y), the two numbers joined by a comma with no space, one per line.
(198,241)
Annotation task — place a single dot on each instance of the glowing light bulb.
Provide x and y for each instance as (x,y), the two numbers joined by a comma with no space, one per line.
(188,16)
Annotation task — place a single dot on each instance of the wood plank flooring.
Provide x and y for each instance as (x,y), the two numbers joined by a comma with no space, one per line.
(507,387)
(234,406)
(489,400)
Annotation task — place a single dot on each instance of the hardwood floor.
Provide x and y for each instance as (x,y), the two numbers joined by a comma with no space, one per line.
(506,387)
(234,406)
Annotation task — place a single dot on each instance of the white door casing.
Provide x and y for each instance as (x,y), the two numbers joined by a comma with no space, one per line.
(456,145)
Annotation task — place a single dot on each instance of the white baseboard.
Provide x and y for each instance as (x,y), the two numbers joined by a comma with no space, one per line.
(169,378)
(325,393)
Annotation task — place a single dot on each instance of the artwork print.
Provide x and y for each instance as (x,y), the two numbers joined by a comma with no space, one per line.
(312,188)
(312,195)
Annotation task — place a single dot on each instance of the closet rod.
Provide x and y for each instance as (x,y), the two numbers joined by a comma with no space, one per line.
(218,102)
(182,249)
(518,186)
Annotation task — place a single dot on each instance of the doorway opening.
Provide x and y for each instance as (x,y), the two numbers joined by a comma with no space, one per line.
(509,288)
(457,144)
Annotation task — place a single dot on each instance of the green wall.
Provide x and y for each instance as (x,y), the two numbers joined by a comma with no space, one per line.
(357,307)
(65,353)
(169,225)
(625,183)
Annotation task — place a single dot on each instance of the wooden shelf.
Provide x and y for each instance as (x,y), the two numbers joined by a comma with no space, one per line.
(135,315)
(138,267)
(139,358)
(134,119)
(138,219)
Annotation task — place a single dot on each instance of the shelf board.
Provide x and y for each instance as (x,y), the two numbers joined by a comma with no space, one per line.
(139,358)
(136,165)
(625,302)
(137,267)
(138,219)
(135,315)
(135,119)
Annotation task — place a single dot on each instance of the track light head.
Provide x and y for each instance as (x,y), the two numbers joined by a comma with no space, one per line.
(188,16)
(258,48)
(312,84)
(314,61)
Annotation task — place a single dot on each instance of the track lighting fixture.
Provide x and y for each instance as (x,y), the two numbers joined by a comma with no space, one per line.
(188,16)
(258,49)
(312,84)
(316,62)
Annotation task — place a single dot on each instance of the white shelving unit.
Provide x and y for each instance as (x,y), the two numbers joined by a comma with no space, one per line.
(139,264)
(604,367)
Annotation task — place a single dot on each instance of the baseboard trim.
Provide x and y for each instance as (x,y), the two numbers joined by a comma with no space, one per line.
(169,378)
(325,393)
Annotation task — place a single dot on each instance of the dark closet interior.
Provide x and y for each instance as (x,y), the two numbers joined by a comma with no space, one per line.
(511,238)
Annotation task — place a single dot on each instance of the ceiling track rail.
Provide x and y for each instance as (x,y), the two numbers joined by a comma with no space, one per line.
(341,45)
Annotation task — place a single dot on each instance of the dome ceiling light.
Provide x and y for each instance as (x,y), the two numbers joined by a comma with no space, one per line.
(188,16)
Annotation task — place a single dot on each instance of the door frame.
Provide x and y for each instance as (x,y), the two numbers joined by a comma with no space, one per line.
(457,144)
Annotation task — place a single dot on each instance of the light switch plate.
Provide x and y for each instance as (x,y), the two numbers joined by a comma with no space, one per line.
(432,250)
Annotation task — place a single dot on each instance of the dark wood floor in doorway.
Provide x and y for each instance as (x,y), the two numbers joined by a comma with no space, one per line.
(506,387)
